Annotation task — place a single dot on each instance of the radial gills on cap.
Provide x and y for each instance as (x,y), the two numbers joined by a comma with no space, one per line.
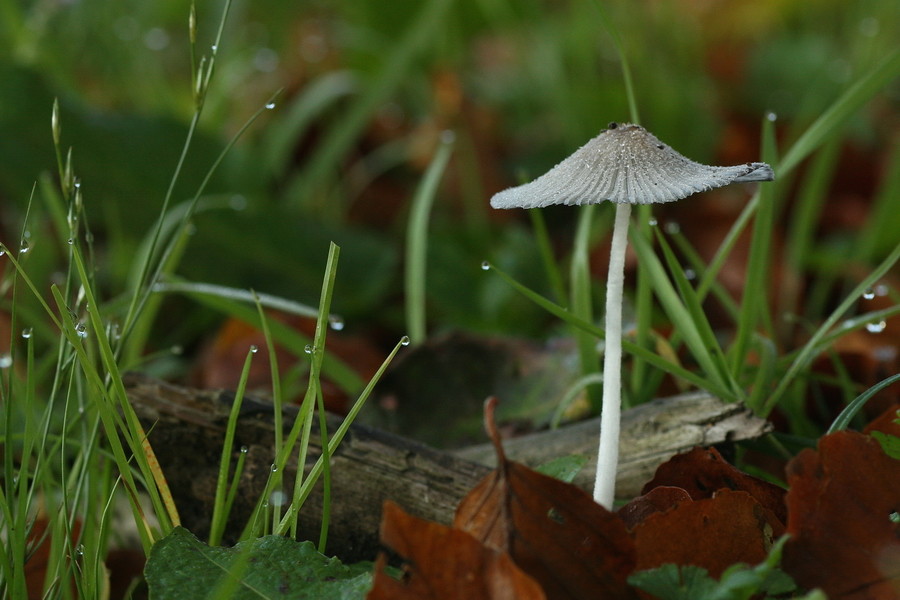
(626,163)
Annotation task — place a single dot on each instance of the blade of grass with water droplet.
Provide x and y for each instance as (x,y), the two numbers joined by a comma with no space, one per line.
(417,241)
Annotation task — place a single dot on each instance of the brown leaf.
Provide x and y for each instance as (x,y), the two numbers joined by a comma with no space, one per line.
(444,563)
(702,471)
(840,504)
(659,499)
(713,533)
(886,422)
(553,530)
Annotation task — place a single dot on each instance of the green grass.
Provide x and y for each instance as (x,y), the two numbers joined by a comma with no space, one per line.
(162,165)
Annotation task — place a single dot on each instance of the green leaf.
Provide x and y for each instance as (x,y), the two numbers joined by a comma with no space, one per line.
(889,443)
(738,582)
(564,468)
(182,567)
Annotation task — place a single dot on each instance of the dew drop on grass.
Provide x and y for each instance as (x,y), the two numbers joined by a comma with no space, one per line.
(653,222)
(485,266)
(336,323)
(274,468)
(6,361)
(690,274)
(881,290)
(214,47)
(876,327)
(26,333)
(70,241)
(81,330)
(673,228)
(308,349)
(254,348)
(79,550)
(270,105)
(868,294)
(404,341)
(771,116)
(25,247)
(244,449)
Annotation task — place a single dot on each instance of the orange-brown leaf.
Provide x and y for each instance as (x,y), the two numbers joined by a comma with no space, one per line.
(702,472)
(553,530)
(713,533)
(840,504)
(445,564)
(659,499)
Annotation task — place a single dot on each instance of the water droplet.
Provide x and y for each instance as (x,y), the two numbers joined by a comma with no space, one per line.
(270,105)
(308,349)
(336,322)
(876,327)
(868,294)
(254,348)
(673,228)
(2,250)
(26,333)
(690,274)
(89,237)
(882,290)
(274,468)
(244,449)
(77,184)
(485,266)
(277,498)
(653,222)
(5,361)
(81,330)
(79,550)
(404,341)
(70,241)
(214,48)
(25,247)
(771,116)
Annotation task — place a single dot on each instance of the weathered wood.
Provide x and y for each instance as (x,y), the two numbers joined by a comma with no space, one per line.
(650,434)
(187,428)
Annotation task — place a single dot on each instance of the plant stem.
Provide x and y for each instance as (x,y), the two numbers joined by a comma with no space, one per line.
(608,453)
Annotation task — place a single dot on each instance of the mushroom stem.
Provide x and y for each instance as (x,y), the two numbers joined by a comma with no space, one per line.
(608,453)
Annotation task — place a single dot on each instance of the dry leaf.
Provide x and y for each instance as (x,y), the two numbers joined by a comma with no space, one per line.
(444,564)
(659,499)
(702,472)
(842,508)
(553,530)
(713,533)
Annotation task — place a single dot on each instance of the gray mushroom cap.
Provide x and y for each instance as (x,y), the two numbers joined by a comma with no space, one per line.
(626,163)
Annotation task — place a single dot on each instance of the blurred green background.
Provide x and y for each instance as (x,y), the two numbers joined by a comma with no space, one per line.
(367,89)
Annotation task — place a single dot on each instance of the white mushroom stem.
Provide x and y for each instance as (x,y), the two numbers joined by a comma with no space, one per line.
(608,453)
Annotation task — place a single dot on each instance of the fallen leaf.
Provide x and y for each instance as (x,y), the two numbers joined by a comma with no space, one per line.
(658,499)
(553,530)
(887,422)
(842,507)
(701,472)
(444,563)
(712,533)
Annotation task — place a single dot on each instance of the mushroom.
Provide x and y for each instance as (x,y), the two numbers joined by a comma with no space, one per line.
(625,164)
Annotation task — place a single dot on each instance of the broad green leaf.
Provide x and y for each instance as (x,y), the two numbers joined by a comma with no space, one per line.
(182,567)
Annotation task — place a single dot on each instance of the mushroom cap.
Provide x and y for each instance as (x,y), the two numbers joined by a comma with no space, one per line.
(626,163)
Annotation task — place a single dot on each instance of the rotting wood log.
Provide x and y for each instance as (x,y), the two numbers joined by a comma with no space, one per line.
(187,428)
